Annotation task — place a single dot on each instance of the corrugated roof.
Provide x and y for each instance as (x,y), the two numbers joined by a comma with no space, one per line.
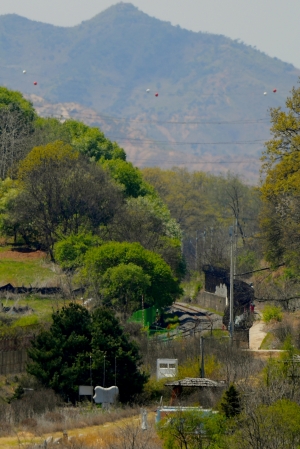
(195,382)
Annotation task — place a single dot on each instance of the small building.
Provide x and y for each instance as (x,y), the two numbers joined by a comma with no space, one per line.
(194,382)
(217,284)
(166,368)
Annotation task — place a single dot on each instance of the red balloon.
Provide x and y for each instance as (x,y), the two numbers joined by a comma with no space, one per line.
(35,83)
(156,94)
(274,90)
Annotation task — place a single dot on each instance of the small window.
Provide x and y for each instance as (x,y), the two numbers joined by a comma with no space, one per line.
(163,365)
(172,365)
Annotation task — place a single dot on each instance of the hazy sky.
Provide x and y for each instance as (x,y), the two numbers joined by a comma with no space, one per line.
(270,25)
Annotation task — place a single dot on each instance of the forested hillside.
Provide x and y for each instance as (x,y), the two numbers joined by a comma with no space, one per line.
(129,239)
(211,86)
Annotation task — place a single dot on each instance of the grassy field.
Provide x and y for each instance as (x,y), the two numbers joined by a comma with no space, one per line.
(23,267)
(41,309)
(269,342)
(19,273)
(19,267)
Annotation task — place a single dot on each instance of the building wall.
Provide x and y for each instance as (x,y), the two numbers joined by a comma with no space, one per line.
(211,301)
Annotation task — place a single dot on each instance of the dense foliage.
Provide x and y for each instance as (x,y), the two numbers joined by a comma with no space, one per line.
(120,273)
(61,193)
(281,188)
(75,348)
(206,206)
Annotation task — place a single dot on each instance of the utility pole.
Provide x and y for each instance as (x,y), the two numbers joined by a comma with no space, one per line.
(231,317)
(204,248)
(104,371)
(143,311)
(202,370)
(91,376)
(235,236)
(196,252)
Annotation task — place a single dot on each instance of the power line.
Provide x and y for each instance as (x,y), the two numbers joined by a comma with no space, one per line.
(171,122)
(166,142)
(196,161)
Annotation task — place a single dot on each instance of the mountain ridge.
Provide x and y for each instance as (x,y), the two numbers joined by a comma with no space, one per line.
(106,64)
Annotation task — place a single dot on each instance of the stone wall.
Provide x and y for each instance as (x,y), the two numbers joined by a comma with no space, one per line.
(211,301)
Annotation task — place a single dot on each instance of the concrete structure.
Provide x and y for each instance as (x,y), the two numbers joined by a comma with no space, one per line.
(167,411)
(166,368)
(106,395)
(212,301)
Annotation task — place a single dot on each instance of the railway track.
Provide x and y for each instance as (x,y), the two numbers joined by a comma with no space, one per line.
(192,321)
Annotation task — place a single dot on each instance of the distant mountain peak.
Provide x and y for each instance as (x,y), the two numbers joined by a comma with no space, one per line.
(118,9)
(124,6)
(124,63)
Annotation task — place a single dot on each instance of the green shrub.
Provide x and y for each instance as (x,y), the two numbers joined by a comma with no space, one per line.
(272,313)
(198,287)
(171,319)
(155,389)
(29,320)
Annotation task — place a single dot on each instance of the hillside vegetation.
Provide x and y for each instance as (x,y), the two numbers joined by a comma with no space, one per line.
(74,211)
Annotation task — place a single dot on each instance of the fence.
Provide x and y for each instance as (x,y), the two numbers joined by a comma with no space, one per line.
(13,362)
(146,317)
(13,353)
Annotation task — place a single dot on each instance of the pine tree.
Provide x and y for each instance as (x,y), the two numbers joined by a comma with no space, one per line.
(231,402)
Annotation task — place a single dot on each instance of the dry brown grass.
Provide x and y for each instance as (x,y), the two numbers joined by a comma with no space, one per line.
(115,432)
(22,255)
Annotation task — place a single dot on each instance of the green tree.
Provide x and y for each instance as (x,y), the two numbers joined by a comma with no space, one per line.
(62,193)
(123,286)
(163,288)
(276,425)
(231,402)
(16,126)
(193,430)
(8,193)
(109,340)
(48,130)
(281,187)
(69,252)
(129,177)
(91,142)
(12,97)
(61,357)
(205,206)
(147,220)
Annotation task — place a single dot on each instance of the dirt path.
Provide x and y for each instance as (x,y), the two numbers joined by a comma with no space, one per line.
(256,335)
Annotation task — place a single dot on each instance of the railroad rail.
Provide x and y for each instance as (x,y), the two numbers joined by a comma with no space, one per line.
(201,323)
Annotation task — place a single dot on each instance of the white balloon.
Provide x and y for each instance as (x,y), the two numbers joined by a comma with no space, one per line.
(24,71)
(265,93)
(148,90)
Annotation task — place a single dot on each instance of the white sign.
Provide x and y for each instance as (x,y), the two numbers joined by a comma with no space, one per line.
(86,390)
(166,368)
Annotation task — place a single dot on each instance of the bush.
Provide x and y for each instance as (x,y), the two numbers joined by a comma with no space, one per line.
(272,313)
(28,320)
(154,390)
